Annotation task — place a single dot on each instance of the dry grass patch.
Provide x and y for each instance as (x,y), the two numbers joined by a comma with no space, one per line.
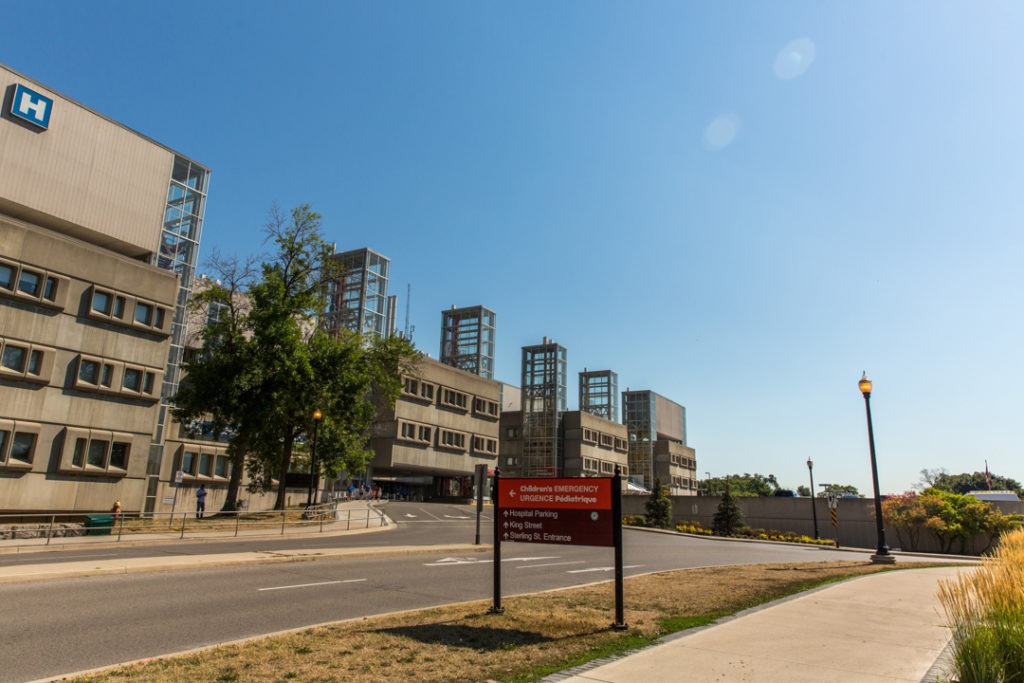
(537,634)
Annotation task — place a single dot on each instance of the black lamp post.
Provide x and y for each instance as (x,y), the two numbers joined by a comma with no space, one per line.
(317,416)
(814,509)
(881,555)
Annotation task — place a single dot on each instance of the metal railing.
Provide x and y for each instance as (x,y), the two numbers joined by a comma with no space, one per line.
(40,529)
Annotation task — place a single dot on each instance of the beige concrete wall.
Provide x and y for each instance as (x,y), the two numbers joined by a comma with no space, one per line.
(396,456)
(856,518)
(86,175)
(61,408)
(668,419)
(594,441)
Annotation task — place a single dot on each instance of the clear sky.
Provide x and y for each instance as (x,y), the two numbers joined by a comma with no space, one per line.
(739,205)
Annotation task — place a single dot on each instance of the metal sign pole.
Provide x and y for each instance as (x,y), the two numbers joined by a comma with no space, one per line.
(496,608)
(616,512)
(481,480)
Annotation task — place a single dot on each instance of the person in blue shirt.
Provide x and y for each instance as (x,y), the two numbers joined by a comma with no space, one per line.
(201,501)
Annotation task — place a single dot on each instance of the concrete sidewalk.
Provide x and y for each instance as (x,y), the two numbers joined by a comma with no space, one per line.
(882,627)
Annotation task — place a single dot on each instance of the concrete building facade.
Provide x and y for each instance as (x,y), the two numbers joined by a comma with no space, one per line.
(656,428)
(444,424)
(99,235)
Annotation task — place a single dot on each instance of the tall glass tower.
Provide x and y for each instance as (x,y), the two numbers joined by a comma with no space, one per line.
(543,402)
(358,301)
(599,393)
(467,339)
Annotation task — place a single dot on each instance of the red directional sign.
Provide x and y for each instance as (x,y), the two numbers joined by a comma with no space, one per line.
(561,511)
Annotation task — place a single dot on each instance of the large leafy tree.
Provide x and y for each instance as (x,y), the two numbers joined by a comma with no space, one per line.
(280,366)
(744,484)
(966,482)
(953,518)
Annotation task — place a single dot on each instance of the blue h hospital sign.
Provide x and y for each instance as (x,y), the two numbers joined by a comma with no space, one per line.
(30,106)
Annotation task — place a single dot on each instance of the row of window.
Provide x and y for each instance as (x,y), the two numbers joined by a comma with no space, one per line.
(683,483)
(32,284)
(29,362)
(124,309)
(604,440)
(594,465)
(449,439)
(449,398)
(114,377)
(198,462)
(683,461)
(92,451)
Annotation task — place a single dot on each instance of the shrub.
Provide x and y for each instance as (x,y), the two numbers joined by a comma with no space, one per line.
(985,611)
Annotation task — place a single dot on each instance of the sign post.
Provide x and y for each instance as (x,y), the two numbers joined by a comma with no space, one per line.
(563,511)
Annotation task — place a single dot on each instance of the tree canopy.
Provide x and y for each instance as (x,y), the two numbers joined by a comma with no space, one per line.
(265,364)
(952,518)
(966,482)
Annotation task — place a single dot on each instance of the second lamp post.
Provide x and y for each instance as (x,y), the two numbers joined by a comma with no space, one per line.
(814,509)
(317,416)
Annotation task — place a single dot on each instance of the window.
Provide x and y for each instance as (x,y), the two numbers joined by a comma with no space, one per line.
(408,430)
(50,289)
(6,276)
(97,453)
(607,467)
(411,387)
(221,468)
(132,379)
(607,440)
(454,399)
(143,313)
(188,462)
(107,375)
(29,283)
(427,391)
(482,444)
(101,301)
(13,358)
(119,454)
(482,406)
(147,384)
(88,371)
(425,434)
(452,439)
(512,433)
(35,362)
(23,444)
(118,308)
(206,464)
(158,318)
(78,457)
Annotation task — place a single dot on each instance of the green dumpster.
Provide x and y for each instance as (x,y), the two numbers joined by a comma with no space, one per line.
(99,525)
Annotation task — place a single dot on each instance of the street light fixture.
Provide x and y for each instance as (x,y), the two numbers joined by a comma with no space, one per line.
(881,555)
(317,416)
(814,509)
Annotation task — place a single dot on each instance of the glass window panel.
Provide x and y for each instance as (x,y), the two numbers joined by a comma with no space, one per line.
(6,276)
(97,453)
(22,446)
(3,443)
(147,387)
(118,307)
(205,464)
(88,371)
(29,282)
(222,466)
(107,375)
(35,362)
(101,302)
(132,379)
(13,358)
(50,289)
(188,462)
(158,317)
(78,457)
(143,313)
(119,454)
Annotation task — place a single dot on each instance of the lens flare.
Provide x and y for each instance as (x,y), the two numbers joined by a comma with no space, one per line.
(795,59)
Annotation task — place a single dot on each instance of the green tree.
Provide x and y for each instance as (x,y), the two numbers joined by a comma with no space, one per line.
(744,484)
(659,507)
(966,482)
(211,394)
(268,366)
(839,490)
(906,516)
(953,518)
(728,518)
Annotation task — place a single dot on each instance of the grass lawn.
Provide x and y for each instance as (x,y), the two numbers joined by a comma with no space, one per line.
(538,634)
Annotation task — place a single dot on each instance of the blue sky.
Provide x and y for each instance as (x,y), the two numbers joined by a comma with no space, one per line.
(738,205)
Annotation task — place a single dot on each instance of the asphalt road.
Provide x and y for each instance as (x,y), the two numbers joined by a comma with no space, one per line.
(62,626)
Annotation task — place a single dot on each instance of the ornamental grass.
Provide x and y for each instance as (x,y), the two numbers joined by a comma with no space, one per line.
(985,611)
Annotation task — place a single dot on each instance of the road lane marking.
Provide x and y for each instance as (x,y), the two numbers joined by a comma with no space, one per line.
(454,561)
(307,585)
(549,564)
(601,569)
